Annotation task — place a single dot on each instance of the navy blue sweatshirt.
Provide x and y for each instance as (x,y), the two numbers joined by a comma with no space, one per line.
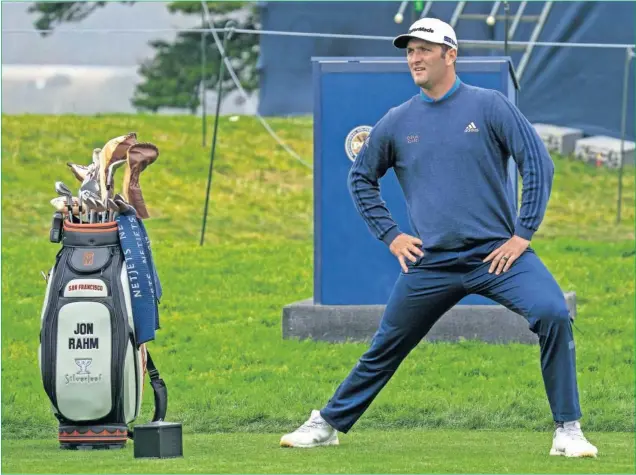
(450,157)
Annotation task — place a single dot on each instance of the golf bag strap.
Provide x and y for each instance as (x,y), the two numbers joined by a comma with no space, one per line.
(160,392)
(159,389)
(135,246)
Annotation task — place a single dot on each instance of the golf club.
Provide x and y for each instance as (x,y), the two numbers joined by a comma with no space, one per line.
(112,209)
(111,173)
(79,171)
(83,196)
(92,200)
(122,204)
(62,190)
(100,208)
(89,186)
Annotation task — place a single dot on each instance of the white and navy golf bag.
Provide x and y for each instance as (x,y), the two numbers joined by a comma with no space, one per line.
(92,359)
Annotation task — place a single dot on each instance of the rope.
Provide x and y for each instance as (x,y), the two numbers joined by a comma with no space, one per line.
(237,83)
(307,34)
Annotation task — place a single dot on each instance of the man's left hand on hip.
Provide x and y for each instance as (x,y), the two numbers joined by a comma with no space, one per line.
(504,256)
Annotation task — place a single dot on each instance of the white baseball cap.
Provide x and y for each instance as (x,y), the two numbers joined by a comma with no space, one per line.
(428,29)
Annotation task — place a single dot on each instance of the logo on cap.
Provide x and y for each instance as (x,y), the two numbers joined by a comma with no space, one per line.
(425,30)
(450,40)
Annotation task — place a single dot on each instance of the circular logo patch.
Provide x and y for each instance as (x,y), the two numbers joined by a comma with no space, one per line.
(355,140)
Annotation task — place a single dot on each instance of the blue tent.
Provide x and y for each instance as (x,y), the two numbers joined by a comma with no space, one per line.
(573,87)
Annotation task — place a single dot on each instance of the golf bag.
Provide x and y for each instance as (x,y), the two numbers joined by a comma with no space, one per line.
(91,358)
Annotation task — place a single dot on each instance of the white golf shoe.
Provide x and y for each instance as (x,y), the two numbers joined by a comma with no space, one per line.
(569,441)
(313,433)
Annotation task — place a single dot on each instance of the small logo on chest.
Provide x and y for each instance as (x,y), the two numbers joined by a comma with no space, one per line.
(412,138)
(471,128)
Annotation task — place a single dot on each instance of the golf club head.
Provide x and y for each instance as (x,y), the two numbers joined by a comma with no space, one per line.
(96,164)
(139,157)
(84,195)
(60,204)
(62,190)
(102,210)
(119,146)
(111,172)
(113,151)
(91,204)
(79,171)
(122,204)
(90,185)
(93,173)
(94,206)
(100,206)
(112,209)
(96,157)
(92,198)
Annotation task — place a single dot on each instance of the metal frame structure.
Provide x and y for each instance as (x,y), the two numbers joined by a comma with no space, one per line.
(519,16)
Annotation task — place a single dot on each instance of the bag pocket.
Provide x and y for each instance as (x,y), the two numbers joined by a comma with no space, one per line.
(88,260)
(82,364)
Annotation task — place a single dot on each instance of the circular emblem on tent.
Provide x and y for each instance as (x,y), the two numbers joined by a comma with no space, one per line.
(355,140)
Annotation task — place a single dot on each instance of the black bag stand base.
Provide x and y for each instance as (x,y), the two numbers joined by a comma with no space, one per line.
(92,437)
(159,439)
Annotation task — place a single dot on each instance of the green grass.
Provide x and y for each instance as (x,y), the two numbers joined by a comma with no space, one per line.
(221,352)
(398,451)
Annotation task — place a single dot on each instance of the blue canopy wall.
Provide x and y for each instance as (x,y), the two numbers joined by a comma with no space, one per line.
(575,87)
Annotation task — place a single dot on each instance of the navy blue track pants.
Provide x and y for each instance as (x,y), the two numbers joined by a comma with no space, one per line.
(432,286)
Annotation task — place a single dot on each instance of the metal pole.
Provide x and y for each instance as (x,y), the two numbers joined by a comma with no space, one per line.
(203,88)
(219,97)
(628,58)
(456,13)
(427,8)
(515,22)
(493,16)
(494,9)
(506,11)
(533,38)
(399,16)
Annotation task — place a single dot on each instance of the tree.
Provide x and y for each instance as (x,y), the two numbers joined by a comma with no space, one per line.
(172,78)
